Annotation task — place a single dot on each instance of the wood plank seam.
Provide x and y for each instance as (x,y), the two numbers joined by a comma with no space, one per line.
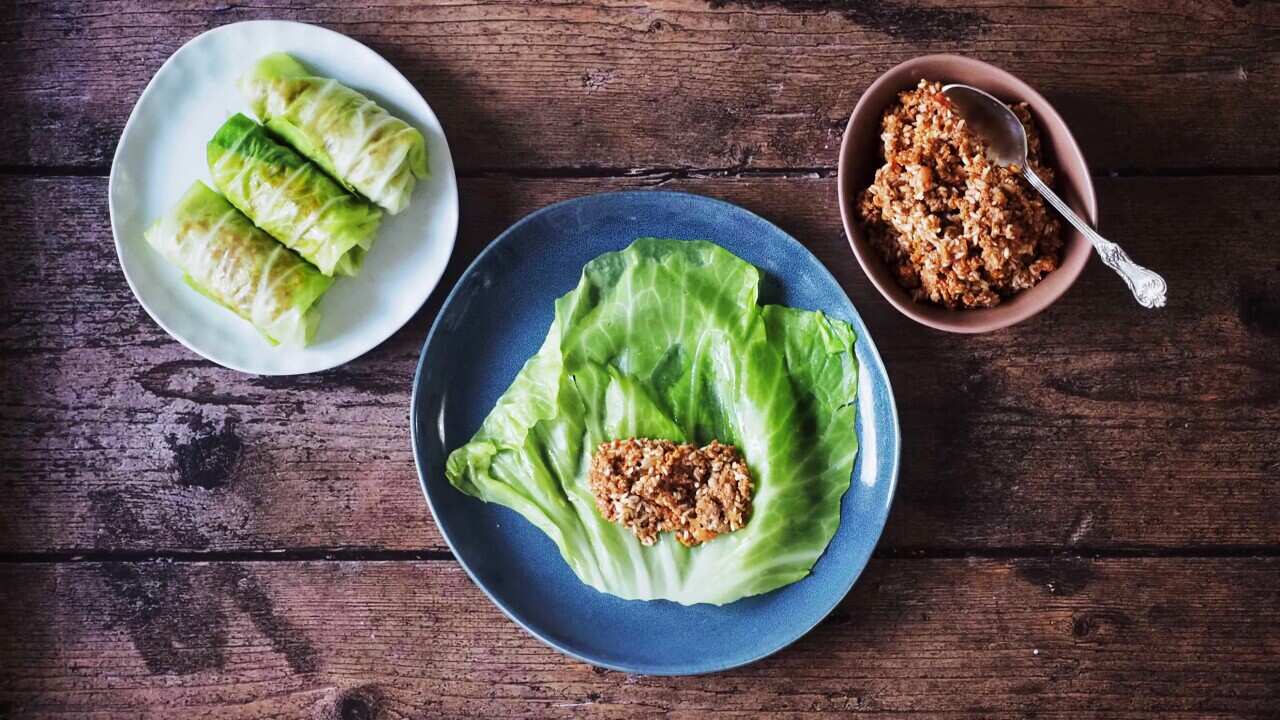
(582,172)
(432,555)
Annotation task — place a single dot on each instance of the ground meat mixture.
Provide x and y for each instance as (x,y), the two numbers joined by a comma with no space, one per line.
(655,486)
(956,229)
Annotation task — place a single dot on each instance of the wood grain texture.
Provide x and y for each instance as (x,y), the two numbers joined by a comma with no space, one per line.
(687,83)
(1166,638)
(1095,429)
(1096,426)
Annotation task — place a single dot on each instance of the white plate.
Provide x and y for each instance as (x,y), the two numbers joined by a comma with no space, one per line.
(162,151)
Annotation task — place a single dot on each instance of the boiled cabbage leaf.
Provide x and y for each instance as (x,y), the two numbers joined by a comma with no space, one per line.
(229,260)
(353,138)
(666,339)
(291,198)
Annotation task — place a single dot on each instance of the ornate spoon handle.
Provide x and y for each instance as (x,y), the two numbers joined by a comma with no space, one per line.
(1147,286)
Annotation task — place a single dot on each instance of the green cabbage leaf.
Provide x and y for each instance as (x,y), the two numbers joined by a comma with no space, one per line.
(291,198)
(666,339)
(229,260)
(353,138)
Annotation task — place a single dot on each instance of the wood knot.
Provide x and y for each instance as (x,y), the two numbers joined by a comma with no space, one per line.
(1081,625)
(1095,622)
(355,707)
(1260,305)
(209,458)
(1057,576)
(357,703)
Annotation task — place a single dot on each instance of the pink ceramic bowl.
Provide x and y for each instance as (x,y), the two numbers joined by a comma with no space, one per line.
(860,156)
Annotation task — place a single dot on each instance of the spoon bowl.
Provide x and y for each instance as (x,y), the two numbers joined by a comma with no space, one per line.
(991,119)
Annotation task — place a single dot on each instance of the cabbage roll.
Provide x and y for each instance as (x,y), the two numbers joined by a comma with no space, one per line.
(291,198)
(224,257)
(344,132)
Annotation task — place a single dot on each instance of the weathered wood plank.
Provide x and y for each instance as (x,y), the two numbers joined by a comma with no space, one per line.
(948,638)
(1095,425)
(687,83)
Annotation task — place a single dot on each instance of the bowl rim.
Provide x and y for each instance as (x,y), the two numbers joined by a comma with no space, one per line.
(975,320)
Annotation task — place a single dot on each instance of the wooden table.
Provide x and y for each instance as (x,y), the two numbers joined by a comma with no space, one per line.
(1088,515)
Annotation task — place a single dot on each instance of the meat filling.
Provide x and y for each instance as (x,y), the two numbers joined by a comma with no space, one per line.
(656,486)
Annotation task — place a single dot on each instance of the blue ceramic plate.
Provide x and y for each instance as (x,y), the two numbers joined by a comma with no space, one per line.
(495,319)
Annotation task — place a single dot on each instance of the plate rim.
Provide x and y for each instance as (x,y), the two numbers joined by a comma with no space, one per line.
(691,668)
(452,198)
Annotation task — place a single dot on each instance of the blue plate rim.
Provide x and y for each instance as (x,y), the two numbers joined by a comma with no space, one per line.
(418,462)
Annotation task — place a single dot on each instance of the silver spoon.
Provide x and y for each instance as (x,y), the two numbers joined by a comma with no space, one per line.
(1006,141)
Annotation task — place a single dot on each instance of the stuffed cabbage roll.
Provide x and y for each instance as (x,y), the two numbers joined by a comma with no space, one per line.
(344,132)
(224,257)
(291,198)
